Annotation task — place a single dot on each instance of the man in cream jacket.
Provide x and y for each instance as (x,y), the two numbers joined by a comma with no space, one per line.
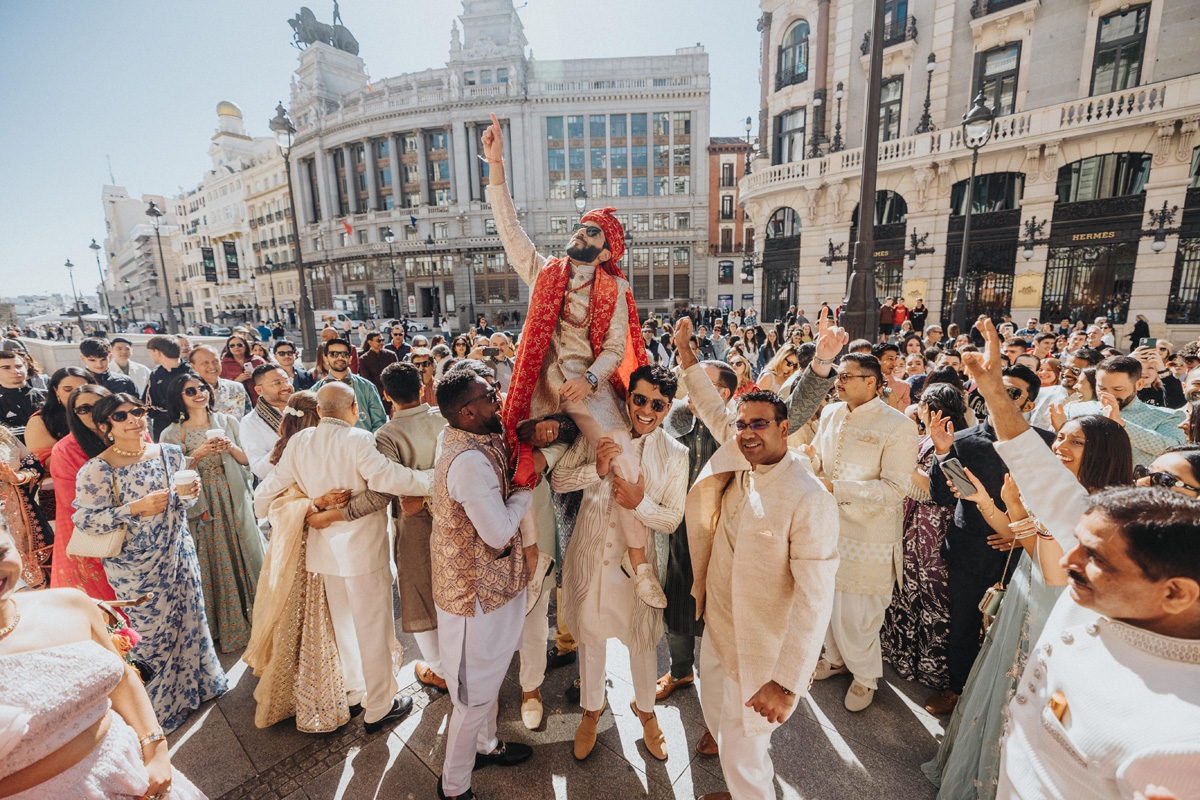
(763,538)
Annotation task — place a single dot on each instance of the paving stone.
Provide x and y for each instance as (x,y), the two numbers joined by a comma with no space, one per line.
(207,750)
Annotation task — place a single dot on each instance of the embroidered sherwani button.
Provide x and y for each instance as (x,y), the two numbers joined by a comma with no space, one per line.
(1037,674)
(606,563)
(1092,628)
(1021,700)
(610,544)
(1066,637)
(1049,649)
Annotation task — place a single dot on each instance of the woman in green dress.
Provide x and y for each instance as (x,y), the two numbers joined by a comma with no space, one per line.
(228,542)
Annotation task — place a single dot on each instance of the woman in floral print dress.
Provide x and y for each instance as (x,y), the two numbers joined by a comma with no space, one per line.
(131,486)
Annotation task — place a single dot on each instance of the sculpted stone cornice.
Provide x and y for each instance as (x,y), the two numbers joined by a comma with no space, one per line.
(1004,26)
(1188,128)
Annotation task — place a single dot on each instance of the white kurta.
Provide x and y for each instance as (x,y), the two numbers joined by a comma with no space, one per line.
(258,440)
(598,598)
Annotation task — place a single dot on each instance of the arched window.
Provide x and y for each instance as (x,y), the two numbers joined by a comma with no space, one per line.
(890,209)
(996,191)
(783,223)
(1100,177)
(793,56)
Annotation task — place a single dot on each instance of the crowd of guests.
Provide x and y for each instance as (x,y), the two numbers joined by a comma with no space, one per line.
(934,492)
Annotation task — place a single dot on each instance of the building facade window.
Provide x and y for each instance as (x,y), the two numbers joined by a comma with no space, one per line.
(502,75)
(638,156)
(638,124)
(662,124)
(793,56)
(596,125)
(1099,177)
(683,155)
(599,158)
(576,159)
(639,187)
(662,155)
(556,159)
(727,206)
(996,72)
(784,223)
(996,191)
(1120,46)
(726,175)
(558,225)
(620,187)
(895,21)
(554,127)
(890,95)
(683,220)
(616,126)
(790,136)
(485,77)
(574,127)
(725,273)
(683,123)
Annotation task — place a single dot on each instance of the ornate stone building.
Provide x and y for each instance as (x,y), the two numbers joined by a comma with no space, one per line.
(730,280)
(1097,105)
(401,154)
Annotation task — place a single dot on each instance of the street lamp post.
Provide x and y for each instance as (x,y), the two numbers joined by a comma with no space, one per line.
(861,314)
(390,238)
(155,214)
(926,124)
(977,131)
(284,130)
(469,259)
(95,248)
(837,144)
(581,198)
(749,148)
(271,271)
(128,300)
(71,272)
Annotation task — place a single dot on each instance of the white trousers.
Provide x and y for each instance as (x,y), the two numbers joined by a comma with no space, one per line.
(643,667)
(853,635)
(361,608)
(431,654)
(476,652)
(533,639)
(745,762)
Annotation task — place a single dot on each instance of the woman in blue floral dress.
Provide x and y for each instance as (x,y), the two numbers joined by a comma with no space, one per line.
(131,485)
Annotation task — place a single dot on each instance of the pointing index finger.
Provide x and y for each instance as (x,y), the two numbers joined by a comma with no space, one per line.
(495,121)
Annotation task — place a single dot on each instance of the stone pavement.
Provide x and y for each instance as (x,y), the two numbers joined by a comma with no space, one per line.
(822,752)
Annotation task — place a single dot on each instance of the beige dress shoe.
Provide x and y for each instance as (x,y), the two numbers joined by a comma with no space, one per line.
(531,712)
(652,735)
(858,697)
(645,585)
(826,670)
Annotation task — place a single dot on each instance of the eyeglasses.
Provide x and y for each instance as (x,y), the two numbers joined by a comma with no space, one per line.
(192,391)
(758,426)
(590,230)
(492,395)
(845,376)
(1071,370)
(640,400)
(338,354)
(85,410)
(121,416)
(422,364)
(285,352)
(1164,480)
(1013,392)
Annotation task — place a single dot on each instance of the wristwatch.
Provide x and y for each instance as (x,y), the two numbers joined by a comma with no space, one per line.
(592,379)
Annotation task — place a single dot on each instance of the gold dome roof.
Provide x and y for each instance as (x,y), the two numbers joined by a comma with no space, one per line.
(228,109)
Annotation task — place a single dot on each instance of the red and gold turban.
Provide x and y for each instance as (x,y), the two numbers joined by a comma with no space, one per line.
(614,232)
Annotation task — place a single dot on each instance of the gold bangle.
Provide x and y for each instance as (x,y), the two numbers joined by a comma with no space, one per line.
(152,737)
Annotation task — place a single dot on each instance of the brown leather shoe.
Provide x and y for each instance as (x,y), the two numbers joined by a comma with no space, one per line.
(585,734)
(716,796)
(707,746)
(428,677)
(667,684)
(652,735)
(941,703)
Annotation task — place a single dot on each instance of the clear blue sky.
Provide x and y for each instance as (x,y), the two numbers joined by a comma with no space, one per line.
(140,81)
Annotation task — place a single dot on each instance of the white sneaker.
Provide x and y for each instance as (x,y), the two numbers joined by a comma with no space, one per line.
(859,696)
(531,712)
(645,585)
(826,670)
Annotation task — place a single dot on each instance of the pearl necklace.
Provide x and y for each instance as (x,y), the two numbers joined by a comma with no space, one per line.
(128,454)
(16,618)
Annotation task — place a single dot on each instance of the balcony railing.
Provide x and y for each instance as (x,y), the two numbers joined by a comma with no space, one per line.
(790,77)
(1141,106)
(894,32)
(981,8)
(253,222)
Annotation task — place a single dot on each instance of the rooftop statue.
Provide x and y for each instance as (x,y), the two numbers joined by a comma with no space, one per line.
(306,30)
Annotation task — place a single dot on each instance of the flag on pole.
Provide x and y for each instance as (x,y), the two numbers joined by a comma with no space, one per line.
(413,218)
(349,230)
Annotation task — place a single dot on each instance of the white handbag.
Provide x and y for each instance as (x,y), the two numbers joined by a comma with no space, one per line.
(99,545)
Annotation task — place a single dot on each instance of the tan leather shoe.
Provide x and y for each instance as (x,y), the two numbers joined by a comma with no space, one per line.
(652,735)
(585,735)
(942,702)
(667,684)
(707,746)
(428,677)
(859,697)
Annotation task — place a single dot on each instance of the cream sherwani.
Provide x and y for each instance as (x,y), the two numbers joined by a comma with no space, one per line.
(258,440)
(869,455)
(353,556)
(598,598)
(764,553)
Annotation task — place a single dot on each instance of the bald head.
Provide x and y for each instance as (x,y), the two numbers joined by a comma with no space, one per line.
(336,400)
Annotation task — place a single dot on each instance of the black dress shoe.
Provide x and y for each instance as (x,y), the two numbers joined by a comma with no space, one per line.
(400,708)
(507,754)
(355,710)
(467,795)
(572,692)
(555,659)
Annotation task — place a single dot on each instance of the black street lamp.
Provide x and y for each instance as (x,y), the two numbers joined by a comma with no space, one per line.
(926,124)
(390,238)
(128,300)
(835,255)
(814,149)
(95,248)
(271,271)
(837,144)
(581,198)
(284,130)
(917,248)
(1160,220)
(469,260)
(71,272)
(1033,229)
(749,147)
(156,214)
(977,131)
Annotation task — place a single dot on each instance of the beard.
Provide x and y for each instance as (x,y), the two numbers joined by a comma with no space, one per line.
(583,252)
(1124,402)
(495,425)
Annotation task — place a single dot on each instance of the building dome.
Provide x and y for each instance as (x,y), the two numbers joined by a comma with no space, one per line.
(228,109)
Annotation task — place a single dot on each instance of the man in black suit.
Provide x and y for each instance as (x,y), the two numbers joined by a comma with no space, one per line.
(972,564)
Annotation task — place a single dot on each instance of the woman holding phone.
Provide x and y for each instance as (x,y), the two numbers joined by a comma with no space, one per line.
(134,489)
(237,364)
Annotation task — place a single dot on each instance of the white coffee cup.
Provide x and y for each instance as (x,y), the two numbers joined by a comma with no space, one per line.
(185,479)
(214,433)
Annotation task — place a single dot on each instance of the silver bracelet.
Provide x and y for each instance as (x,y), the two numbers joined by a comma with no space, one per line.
(818,360)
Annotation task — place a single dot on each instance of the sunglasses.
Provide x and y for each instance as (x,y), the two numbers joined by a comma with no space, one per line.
(192,391)
(85,410)
(792,364)
(1014,393)
(121,416)
(285,352)
(758,426)
(422,364)
(492,395)
(590,230)
(338,354)
(640,400)
(1164,480)
(236,344)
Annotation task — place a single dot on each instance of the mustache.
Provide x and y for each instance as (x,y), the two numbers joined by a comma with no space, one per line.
(1078,577)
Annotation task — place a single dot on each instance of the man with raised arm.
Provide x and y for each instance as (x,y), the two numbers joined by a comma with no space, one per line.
(576,353)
